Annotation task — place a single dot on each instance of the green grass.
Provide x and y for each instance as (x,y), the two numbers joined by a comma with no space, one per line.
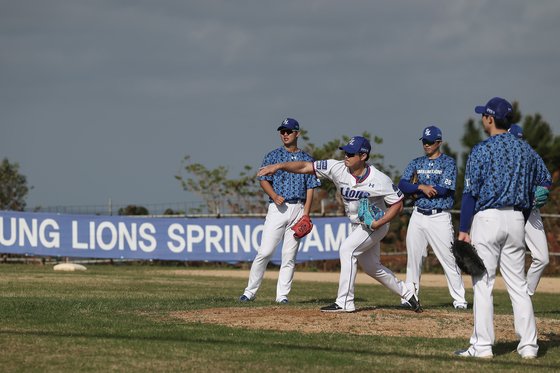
(116,318)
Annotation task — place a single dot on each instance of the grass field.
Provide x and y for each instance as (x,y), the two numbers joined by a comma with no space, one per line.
(118,318)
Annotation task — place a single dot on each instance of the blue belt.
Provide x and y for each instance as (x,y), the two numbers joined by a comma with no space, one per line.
(292,201)
(429,212)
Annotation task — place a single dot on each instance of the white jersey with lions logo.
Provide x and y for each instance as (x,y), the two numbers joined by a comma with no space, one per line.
(374,185)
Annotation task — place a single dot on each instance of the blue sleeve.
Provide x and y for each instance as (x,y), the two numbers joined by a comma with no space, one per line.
(543,175)
(442,192)
(467,212)
(407,187)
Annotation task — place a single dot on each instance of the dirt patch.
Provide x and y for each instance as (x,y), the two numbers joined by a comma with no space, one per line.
(369,321)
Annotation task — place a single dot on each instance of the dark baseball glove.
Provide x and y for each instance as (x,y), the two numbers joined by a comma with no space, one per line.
(467,259)
(302,227)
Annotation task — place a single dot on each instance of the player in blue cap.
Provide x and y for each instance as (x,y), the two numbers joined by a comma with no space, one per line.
(500,178)
(355,179)
(290,197)
(430,179)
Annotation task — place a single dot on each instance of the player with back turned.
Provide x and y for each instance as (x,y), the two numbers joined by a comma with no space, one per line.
(500,179)
(430,222)
(535,237)
(290,197)
(358,182)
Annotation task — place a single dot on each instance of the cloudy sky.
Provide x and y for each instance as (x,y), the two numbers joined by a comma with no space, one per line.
(102,99)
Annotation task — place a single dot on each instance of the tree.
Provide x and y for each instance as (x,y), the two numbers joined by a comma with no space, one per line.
(240,195)
(13,187)
(133,210)
(539,135)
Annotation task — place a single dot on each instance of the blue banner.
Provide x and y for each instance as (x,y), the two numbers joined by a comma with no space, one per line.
(183,239)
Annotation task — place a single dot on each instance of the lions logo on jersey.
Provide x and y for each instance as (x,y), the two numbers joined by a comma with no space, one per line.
(351,194)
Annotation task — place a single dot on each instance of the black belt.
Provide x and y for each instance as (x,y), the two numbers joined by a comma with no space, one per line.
(515,208)
(429,212)
(292,201)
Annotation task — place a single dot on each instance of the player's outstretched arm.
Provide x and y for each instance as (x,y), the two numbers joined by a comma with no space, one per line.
(299,167)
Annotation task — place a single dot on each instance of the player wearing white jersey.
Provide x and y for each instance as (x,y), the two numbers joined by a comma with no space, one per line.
(355,179)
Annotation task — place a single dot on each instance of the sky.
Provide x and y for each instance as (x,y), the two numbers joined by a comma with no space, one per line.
(101,100)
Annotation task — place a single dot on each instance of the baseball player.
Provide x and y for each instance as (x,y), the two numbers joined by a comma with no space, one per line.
(430,222)
(290,196)
(500,176)
(535,237)
(355,179)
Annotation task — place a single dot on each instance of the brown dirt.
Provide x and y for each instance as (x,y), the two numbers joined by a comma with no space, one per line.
(366,321)
(370,321)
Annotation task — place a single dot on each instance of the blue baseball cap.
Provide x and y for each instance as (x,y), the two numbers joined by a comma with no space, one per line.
(516,130)
(357,144)
(289,124)
(431,133)
(497,107)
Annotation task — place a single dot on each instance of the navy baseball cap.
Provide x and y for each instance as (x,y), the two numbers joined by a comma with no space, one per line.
(516,130)
(357,144)
(497,107)
(431,133)
(289,124)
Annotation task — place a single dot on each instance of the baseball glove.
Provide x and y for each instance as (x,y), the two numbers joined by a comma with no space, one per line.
(541,197)
(368,213)
(302,227)
(414,178)
(467,259)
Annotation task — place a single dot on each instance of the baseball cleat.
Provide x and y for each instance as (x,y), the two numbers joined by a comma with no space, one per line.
(460,306)
(469,352)
(415,304)
(528,357)
(283,301)
(244,299)
(405,304)
(335,308)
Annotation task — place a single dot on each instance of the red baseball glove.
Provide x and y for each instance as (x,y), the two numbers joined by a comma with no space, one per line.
(302,227)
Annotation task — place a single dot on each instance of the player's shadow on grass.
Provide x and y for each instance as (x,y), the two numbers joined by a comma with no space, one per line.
(505,348)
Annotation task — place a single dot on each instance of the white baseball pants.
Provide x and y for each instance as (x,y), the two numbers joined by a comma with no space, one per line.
(535,238)
(437,231)
(362,246)
(497,235)
(279,220)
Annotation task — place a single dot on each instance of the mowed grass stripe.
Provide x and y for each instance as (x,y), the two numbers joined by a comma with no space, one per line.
(117,318)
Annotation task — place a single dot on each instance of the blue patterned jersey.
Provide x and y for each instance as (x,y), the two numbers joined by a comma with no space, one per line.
(289,185)
(543,175)
(441,172)
(502,171)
